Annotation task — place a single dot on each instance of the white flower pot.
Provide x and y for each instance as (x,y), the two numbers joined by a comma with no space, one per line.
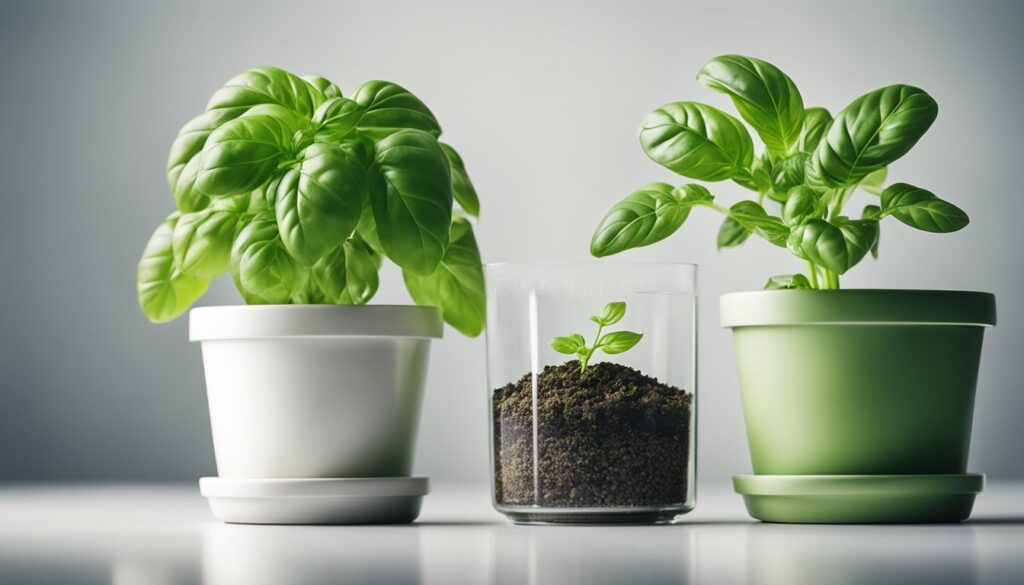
(314,391)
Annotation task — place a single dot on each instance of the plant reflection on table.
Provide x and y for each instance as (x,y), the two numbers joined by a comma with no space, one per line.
(840,555)
(311,555)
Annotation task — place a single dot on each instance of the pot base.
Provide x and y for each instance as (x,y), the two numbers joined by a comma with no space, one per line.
(385,500)
(859,499)
(543,516)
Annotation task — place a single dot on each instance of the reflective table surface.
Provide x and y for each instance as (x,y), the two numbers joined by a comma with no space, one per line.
(164,535)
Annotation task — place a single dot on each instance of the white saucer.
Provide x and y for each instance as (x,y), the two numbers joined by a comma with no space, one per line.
(377,500)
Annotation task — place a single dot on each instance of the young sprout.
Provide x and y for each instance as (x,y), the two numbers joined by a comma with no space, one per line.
(610,343)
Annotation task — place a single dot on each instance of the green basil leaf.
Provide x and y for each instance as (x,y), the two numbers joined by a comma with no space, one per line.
(802,203)
(872,132)
(360,147)
(837,247)
(319,202)
(787,172)
(745,179)
(361,272)
(336,119)
(874,182)
(264,271)
(648,215)
(389,108)
(822,243)
(921,209)
(462,188)
(411,197)
(754,218)
(762,169)
(612,314)
(202,242)
(787,281)
(183,162)
(186,193)
(697,141)
(348,275)
(816,123)
(240,205)
(309,294)
(731,234)
(691,194)
(248,296)
(187,196)
(323,85)
(619,341)
(795,241)
(241,155)
(164,291)
(765,96)
(367,228)
(330,275)
(295,121)
(861,237)
(258,200)
(569,344)
(268,85)
(457,286)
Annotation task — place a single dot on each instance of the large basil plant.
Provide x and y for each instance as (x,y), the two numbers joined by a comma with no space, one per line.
(809,168)
(301,192)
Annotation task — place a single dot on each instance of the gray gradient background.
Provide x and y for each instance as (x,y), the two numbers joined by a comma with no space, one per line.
(543,101)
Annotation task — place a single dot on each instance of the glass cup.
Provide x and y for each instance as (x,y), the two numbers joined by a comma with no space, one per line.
(591,371)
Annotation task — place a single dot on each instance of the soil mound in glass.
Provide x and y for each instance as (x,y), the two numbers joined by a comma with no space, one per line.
(607,437)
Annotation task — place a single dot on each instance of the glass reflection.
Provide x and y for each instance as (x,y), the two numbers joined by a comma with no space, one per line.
(567,555)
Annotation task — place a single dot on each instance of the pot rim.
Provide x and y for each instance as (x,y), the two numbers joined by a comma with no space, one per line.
(858,485)
(282,321)
(858,307)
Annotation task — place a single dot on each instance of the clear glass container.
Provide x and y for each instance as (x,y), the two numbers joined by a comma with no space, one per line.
(614,441)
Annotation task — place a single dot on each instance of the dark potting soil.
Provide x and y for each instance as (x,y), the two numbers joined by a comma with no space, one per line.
(610,436)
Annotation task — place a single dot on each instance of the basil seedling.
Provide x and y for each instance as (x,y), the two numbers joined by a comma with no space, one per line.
(810,167)
(610,343)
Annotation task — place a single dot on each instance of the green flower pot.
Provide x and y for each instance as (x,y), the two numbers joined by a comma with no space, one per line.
(858,382)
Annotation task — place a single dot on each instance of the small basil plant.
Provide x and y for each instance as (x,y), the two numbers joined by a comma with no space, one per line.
(610,343)
(301,192)
(802,181)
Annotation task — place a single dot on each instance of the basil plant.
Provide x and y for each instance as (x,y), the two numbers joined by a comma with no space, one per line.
(301,192)
(801,182)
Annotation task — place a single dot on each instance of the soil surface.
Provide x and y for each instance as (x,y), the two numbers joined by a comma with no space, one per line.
(610,436)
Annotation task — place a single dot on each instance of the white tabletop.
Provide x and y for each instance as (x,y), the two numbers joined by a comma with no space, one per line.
(164,535)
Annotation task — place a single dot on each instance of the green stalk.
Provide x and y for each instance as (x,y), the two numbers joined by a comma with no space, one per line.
(833,279)
(842,196)
(812,272)
(584,360)
(716,207)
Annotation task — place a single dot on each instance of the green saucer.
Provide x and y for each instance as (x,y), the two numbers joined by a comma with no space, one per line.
(859,499)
